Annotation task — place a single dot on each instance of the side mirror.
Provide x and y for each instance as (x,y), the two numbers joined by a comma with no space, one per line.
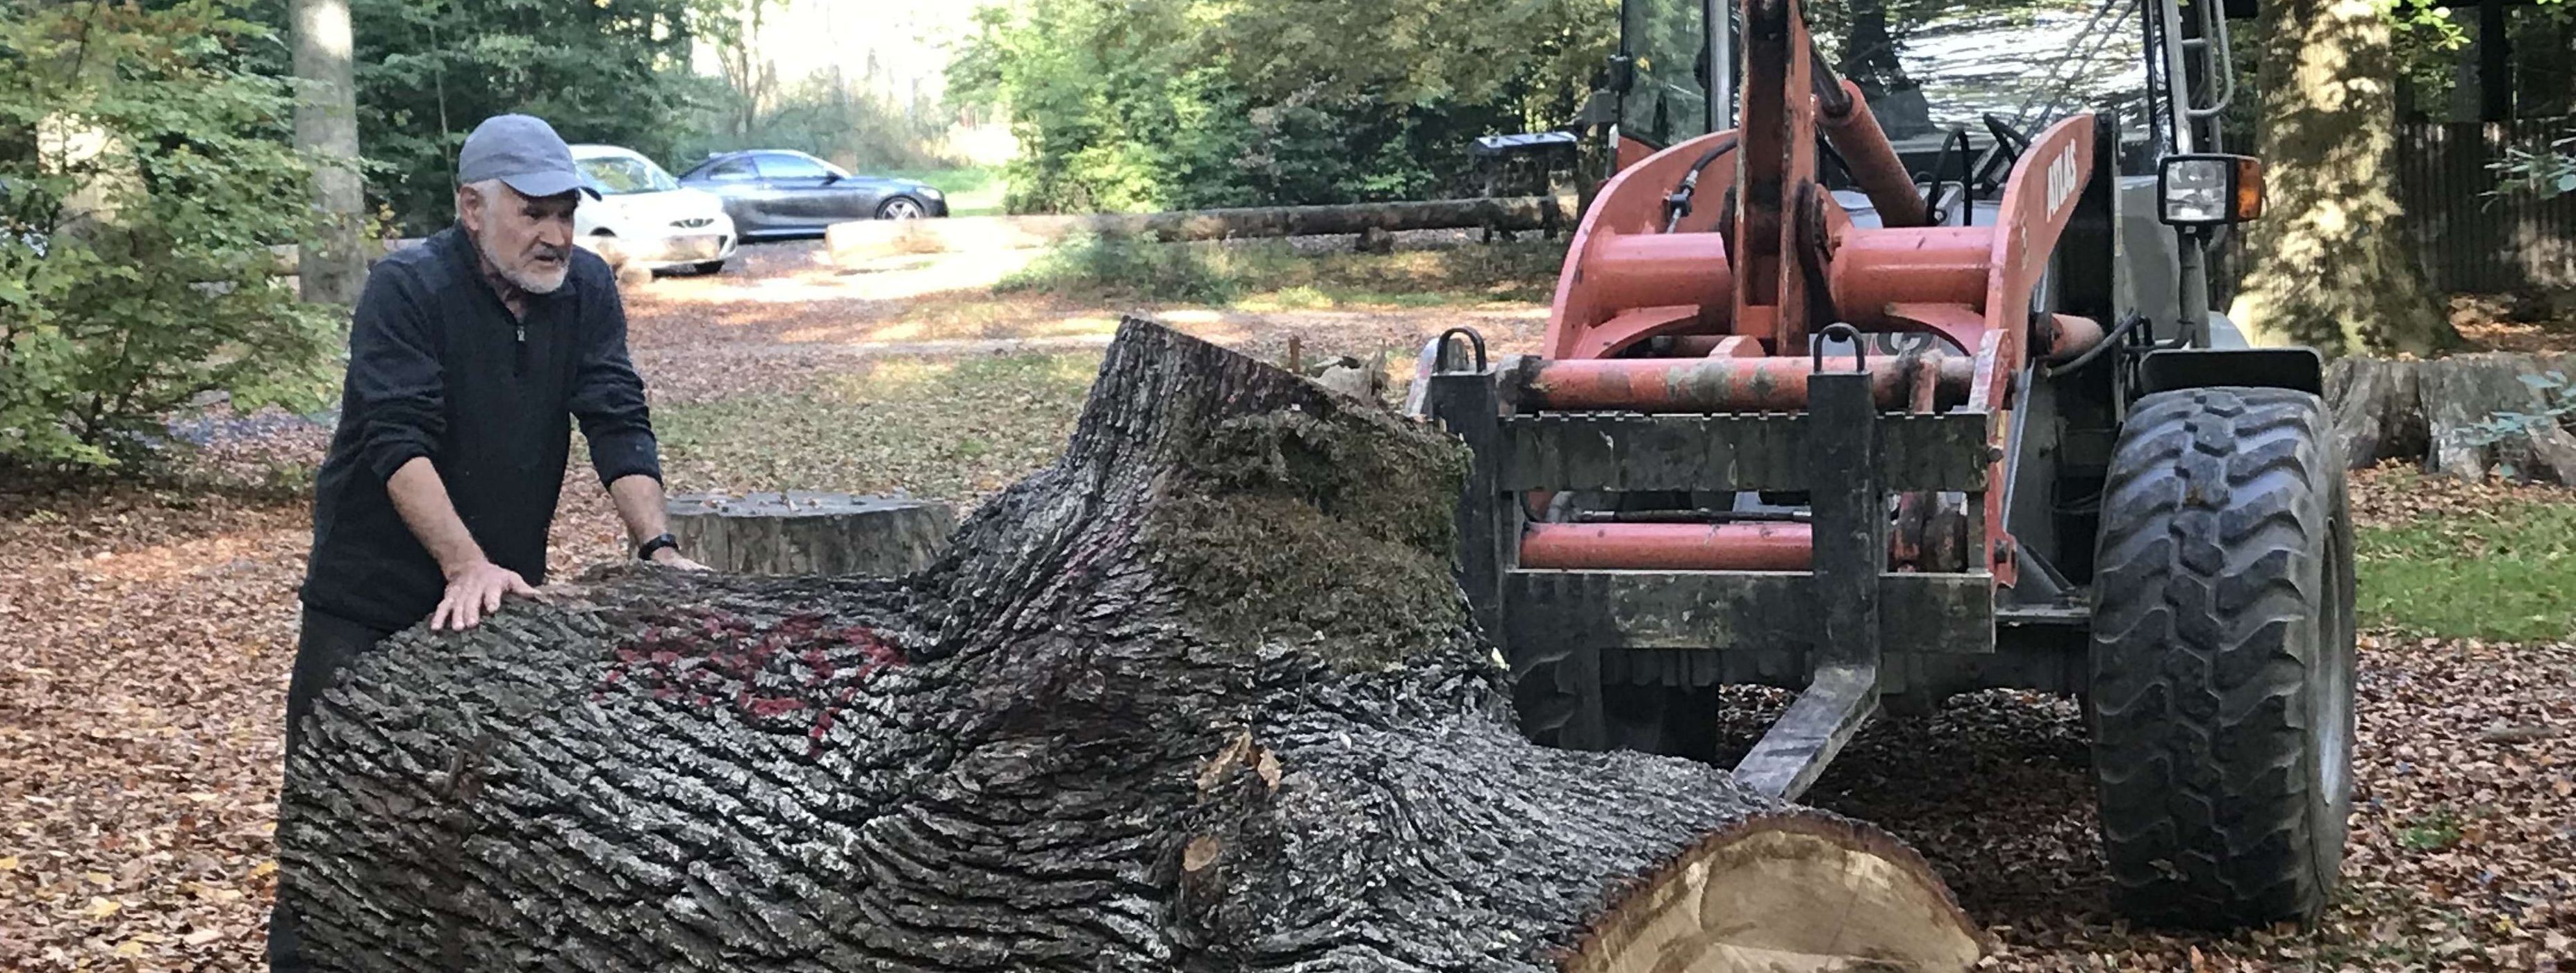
(2209,189)
(831,177)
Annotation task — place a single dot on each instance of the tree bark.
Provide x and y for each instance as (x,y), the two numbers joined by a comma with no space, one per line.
(1203,695)
(811,533)
(326,123)
(2328,267)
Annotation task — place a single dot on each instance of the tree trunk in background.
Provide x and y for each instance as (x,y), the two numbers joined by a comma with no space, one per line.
(2328,264)
(1204,695)
(326,122)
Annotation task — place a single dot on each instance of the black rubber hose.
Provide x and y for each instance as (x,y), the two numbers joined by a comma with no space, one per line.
(1678,204)
(2108,341)
(1932,194)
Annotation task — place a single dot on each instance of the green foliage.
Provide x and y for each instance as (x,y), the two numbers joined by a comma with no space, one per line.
(2496,574)
(430,70)
(2544,173)
(143,172)
(1137,269)
(821,114)
(2434,831)
(971,190)
(1274,275)
(2556,407)
(1126,105)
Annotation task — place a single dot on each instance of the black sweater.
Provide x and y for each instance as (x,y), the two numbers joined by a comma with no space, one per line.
(439,368)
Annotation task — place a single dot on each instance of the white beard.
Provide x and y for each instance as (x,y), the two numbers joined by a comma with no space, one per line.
(532,282)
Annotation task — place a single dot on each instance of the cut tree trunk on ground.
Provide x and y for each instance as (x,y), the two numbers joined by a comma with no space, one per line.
(2445,412)
(854,244)
(1203,695)
(810,533)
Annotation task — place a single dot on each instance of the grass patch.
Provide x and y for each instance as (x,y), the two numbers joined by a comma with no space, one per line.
(2435,831)
(972,190)
(1267,275)
(1114,269)
(950,430)
(2496,573)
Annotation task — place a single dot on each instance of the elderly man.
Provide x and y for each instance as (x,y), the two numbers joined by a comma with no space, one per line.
(467,355)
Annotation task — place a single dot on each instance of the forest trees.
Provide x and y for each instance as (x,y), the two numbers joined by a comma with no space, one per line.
(1175,104)
(144,170)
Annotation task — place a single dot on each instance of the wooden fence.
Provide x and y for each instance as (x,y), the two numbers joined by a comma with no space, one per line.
(2472,241)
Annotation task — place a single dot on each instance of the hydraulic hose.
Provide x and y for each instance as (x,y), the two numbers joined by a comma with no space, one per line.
(1678,203)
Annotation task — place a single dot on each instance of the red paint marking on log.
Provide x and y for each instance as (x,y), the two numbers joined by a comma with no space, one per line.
(775,706)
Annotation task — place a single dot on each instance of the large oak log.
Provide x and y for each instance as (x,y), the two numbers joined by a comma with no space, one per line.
(1204,695)
(854,243)
(2458,415)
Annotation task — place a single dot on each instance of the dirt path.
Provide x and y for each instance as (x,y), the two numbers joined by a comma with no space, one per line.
(781,307)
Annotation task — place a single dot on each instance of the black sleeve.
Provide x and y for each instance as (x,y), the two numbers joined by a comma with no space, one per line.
(396,387)
(608,397)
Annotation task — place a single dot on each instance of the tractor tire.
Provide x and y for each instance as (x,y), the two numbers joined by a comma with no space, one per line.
(2221,696)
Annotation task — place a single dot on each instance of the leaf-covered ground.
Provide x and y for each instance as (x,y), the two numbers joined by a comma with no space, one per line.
(149,630)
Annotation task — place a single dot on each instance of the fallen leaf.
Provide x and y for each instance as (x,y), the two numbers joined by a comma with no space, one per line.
(1269,769)
(9,864)
(1201,853)
(103,908)
(202,937)
(130,947)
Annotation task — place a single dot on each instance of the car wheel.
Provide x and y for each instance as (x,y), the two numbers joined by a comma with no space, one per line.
(900,208)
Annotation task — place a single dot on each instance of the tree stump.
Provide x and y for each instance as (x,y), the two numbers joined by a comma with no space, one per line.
(810,533)
(2447,411)
(1203,695)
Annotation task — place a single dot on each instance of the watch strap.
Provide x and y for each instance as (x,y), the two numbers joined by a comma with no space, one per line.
(646,552)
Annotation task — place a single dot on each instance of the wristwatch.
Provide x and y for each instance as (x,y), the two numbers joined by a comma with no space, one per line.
(645,553)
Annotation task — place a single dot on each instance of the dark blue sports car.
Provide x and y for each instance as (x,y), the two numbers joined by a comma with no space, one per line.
(779,193)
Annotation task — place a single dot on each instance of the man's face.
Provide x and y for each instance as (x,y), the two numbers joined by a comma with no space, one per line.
(529,241)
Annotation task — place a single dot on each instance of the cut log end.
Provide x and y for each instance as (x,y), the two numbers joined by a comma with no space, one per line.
(2465,416)
(810,533)
(1785,893)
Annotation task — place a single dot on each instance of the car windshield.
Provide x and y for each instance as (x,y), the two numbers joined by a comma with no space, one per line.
(614,175)
(1926,65)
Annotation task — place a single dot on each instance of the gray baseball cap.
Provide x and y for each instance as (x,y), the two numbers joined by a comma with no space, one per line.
(522,151)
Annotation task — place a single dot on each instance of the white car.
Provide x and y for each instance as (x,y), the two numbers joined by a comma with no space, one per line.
(645,217)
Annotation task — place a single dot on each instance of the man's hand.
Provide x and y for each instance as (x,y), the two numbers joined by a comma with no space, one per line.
(476,592)
(669,558)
